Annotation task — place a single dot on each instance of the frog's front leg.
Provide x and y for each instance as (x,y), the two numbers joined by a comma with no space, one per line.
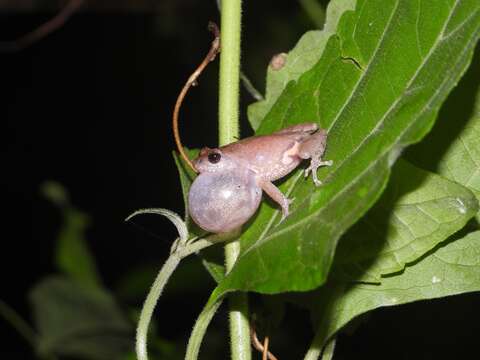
(276,195)
(313,148)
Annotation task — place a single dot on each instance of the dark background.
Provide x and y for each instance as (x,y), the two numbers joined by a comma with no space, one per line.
(90,107)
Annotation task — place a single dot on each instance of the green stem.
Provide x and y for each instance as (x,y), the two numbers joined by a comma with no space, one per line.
(198,332)
(231,14)
(150,303)
(239,327)
(157,289)
(238,313)
(247,84)
(229,71)
(18,323)
(329,349)
(318,345)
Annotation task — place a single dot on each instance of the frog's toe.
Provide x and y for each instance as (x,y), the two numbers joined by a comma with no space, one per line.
(315,178)
(285,211)
(314,165)
(284,216)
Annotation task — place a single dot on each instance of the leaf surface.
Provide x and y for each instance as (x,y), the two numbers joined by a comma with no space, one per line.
(452,269)
(80,322)
(187,175)
(453,147)
(300,59)
(417,211)
(376,89)
(72,255)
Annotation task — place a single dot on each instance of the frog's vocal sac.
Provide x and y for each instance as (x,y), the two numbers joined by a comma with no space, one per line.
(229,188)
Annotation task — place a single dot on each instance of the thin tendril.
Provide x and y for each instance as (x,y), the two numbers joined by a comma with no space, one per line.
(192,80)
(263,348)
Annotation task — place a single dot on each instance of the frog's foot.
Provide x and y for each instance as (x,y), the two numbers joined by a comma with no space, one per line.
(314,165)
(285,207)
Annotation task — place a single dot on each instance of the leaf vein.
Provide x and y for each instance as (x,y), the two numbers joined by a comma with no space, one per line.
(367,68)
(399,99)
(382,155)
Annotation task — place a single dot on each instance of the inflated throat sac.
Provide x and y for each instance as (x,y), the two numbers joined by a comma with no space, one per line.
(220,202)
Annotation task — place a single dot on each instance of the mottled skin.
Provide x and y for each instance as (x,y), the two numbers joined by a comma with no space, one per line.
(269,157)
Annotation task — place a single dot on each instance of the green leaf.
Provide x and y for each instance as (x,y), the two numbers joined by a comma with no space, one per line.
(327,353)
(72,255)
(462,160)
(187,175)
(376,89)
(300,59)
(77,321)
(55,192)
(416,212)
(453,147)
(213,261)
(452,269)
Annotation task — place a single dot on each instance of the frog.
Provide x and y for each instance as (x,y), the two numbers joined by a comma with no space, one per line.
(232,178)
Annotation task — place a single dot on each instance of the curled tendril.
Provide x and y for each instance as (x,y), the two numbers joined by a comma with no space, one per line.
(170,215)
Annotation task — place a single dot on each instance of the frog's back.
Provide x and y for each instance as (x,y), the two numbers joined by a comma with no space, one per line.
(271,156)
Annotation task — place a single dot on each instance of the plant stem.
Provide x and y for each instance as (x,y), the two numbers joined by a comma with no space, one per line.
(156,291)
(22,327)
(329,349)
(198,332)
(319,349)
(229,132)
(229,71)
(150,303)
(247,84)
(239,327)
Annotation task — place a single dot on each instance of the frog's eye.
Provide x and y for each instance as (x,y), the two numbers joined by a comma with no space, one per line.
(214,157)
